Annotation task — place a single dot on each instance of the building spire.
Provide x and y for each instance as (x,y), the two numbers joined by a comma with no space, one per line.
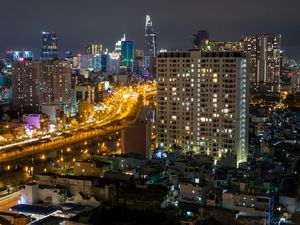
(148,22)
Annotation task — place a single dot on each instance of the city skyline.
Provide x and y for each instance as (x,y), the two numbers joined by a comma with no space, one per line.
(76,28)
(150,112)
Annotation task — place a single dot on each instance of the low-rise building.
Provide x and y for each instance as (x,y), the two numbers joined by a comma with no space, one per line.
(250,207)
(91,168)
(193,192)
(33,193)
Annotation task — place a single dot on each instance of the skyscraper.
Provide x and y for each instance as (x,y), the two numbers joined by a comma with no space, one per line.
(49,46)
(58,75)
(265,61)
(41,82)
(18,55)
(69,55)
(94,49)
(203,102)
(127,54)
(118,45)
(150,48)
(26,93)
(113,64)
(138,61)
(200,40)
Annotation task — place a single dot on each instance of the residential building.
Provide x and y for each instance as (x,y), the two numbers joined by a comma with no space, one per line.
(56,78)
(259,208)
(41,82)
(32,193)
(295,80)
(93,168)
(203,102)
(26,94)
(265,60)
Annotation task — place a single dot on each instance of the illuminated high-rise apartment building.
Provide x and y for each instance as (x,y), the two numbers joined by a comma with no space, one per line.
(56,82)
(265,61)
(26,94)
(41,82)
(49,46)
(203,102)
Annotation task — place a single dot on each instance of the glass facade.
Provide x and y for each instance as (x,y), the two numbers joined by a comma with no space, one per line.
(18,55)
(150,48)
(49,46)
(200,40)
(127,52)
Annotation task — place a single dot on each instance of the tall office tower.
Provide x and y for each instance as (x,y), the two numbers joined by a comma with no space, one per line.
(49,46)
(26,95)
(200,40)
(150,48)
(118,45)
(203,102)
(103,63)
(94,49)
(127,54)
(264,51)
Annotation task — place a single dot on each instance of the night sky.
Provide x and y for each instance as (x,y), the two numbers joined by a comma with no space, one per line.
(79,22)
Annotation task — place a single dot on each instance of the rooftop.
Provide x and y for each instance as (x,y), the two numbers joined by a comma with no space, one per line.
(49,220)
(33,209)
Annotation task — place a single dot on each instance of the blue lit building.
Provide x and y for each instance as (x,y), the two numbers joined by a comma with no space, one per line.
(103,63)
(5,89)
(49,46)
(97,62)
(12,56)
(150,46)
(200,40)
(127,54)
(69,55)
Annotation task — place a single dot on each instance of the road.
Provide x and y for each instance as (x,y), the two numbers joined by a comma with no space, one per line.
(118,107)
(9,201)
